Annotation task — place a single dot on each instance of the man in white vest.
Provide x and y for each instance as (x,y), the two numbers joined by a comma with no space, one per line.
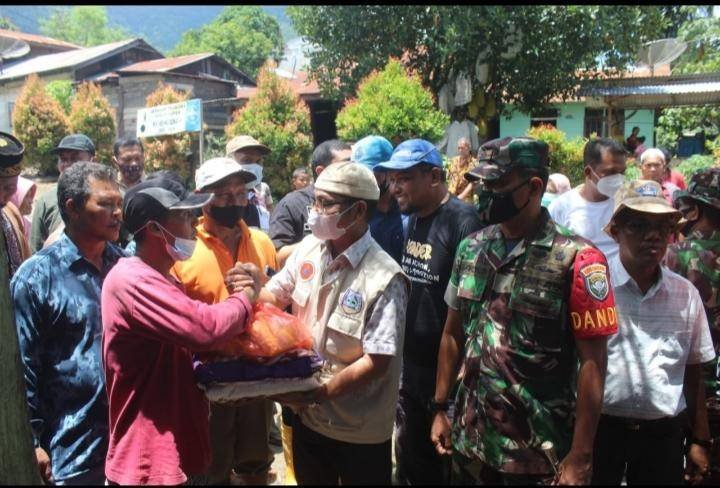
(352,295)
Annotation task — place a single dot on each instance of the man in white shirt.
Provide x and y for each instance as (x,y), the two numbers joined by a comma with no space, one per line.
(653,386)
(587,209)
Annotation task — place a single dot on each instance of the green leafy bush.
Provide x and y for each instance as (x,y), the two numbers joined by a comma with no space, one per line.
(39,122)
(393,104)
(694,164)
(675,121)
(276,117)
(566,156)
(172,151)
(62,91)
(92,115)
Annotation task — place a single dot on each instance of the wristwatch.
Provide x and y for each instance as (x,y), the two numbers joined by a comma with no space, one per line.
(436,407)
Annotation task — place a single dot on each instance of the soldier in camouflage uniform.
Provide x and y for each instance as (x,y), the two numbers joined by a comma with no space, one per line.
(527,299)
(698,259)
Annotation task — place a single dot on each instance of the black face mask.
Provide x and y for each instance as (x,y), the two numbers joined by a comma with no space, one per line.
(495,208)
(131,173)
(228,216)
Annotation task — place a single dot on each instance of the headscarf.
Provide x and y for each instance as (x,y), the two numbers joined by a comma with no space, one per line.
(24,185)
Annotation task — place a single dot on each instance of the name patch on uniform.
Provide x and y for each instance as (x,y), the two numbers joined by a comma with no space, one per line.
(596,282)
(351,302)
(307,270)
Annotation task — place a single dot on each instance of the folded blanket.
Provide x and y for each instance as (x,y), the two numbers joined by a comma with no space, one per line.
(243,370)
(240,390)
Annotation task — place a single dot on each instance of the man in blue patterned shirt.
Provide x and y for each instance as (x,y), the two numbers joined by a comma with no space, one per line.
(56,295)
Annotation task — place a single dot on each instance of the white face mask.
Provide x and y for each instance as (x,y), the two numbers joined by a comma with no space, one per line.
(183,248)
(609,185)
(325,227)
(255,169)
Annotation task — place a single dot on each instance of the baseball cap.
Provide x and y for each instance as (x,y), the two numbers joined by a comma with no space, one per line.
(215,169)
(11,154)
(704,187)
(349,179)
(242,142)
(77,142)
(644,196)
(153,199)
(410,153)
(497,157)
(371,150)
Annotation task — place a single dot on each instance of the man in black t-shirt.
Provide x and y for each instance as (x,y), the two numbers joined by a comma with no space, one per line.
(438,222)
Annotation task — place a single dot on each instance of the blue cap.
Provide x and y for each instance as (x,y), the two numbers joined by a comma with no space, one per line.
(411,153)
(371,151)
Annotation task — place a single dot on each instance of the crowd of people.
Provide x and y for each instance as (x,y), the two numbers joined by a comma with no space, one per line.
(493,324)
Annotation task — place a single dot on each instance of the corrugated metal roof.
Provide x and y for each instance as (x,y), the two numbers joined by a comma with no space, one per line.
(35,39)
(666,89)
(299,83)
(70,59)
(166,64)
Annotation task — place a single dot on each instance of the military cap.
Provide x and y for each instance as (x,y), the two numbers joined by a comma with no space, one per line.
(75,142)
(11,154)
(499,156)
(704,187)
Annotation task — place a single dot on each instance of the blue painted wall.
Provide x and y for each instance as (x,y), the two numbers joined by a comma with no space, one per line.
(645,120)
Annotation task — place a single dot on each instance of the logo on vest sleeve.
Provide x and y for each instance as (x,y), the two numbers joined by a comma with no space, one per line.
(351,302)
(307,270)
(596,282)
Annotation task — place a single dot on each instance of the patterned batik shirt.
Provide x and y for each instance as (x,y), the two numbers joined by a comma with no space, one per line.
(698,259)
(56,296)
(521,313)
(456,170)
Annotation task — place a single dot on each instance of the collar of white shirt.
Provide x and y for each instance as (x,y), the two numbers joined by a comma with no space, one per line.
(353,254)
(621,278)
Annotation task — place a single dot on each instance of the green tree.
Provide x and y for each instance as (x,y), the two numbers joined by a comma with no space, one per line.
(85,25)
(62,91)
(245,36)
(40,123)
(172,151)
(392,104)
(566,156)
(7,24)
(92,115)
(532,54)
(276,117)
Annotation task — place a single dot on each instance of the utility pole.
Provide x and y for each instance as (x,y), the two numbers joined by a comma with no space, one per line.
(17,456)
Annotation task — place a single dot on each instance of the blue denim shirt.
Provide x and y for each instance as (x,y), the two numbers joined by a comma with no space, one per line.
(56,296)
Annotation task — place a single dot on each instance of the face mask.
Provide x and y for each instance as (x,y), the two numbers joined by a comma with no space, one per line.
(228,216)
(131,173)
(182,249)
(609,185)
(495,208)
(325,227)
(255,169)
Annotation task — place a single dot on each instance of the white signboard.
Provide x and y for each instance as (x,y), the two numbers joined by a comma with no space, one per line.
(170,119)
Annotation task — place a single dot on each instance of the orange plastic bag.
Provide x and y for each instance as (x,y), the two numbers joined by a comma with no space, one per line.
(271,333)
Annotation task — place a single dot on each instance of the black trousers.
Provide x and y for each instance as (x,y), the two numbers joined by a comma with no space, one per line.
(418,463)
(319,460)
(647,452)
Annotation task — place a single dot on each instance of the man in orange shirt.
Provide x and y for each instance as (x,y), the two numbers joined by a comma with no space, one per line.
(238,435)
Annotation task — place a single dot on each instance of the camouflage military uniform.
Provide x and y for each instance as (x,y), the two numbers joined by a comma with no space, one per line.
(521,312)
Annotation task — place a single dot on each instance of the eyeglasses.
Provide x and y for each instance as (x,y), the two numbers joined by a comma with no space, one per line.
(643,227)
(322,206)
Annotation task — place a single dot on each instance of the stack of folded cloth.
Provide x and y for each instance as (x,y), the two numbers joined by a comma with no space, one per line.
(274,356)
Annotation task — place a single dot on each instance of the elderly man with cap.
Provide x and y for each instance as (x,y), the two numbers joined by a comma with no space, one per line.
(158,416)
(438,222)
(386,225)
(56,296)
(352,296)
(530,309)
(238,434)
(11,220)
(653,389)
(46,217)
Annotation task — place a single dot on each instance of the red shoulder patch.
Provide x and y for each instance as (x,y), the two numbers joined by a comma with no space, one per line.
(592,303)
(307,270)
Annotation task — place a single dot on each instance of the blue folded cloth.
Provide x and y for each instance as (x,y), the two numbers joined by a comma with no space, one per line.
(244,370)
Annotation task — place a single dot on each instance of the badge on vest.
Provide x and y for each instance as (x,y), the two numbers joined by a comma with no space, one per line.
(351,302)
(307,270)
(596,282)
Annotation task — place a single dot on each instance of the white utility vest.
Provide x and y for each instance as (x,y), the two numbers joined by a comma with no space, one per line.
(335,311)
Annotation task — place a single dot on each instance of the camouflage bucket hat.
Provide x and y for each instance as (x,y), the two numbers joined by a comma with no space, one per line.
(704,187)
(499,156)
(642,196)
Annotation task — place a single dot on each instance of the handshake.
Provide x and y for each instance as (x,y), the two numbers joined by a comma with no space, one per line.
(246,278)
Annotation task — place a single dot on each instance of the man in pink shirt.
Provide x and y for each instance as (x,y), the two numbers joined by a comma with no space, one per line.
(158,415)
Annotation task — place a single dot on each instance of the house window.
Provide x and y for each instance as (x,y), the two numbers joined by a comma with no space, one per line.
(544,117)
(11,107)
(594,122)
